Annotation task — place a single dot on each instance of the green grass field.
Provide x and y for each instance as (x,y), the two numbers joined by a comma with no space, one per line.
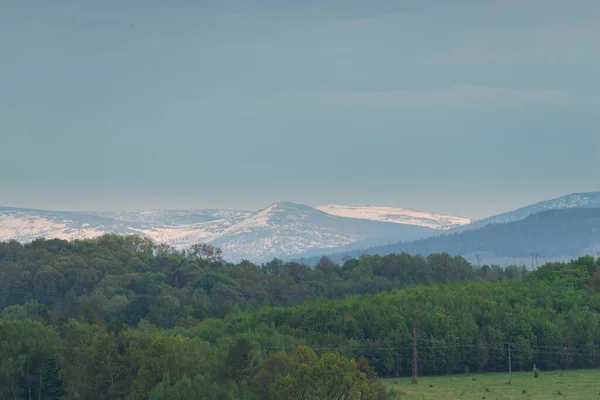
(577,384)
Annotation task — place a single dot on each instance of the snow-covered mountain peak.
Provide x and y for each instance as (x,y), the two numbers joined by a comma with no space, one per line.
(287,206)
(279,215)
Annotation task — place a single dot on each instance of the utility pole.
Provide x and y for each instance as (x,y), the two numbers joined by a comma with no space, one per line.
(415,375)
(509,367)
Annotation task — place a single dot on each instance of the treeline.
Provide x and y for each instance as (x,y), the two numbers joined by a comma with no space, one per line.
(131,278)
(124,318)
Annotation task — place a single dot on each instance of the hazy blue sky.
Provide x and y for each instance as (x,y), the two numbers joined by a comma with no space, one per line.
(466,106)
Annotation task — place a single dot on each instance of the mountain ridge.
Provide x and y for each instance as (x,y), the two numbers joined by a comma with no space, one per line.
(278,230)
(572,200)
(283,229)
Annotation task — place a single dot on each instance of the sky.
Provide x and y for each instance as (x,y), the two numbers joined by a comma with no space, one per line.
(467,107)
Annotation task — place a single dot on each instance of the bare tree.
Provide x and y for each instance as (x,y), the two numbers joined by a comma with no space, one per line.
(205,251)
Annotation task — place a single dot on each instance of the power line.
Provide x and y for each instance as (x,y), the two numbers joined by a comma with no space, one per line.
(427,344)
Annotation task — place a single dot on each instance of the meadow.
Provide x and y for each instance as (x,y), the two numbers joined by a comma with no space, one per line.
(573,385)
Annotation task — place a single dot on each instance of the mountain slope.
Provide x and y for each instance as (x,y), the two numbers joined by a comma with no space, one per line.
(285,229)
(280,230)
(28,224)
(574,200)
(551,234)
(395,215)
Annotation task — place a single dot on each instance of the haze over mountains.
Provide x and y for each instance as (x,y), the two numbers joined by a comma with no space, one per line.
(288,230)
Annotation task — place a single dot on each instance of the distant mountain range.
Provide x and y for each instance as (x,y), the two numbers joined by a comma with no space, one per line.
(289,230)
(555,229)
(280,230)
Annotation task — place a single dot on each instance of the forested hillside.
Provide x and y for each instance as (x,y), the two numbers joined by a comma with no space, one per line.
(118,317)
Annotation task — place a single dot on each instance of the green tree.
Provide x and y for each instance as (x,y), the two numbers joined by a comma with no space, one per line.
(29,361)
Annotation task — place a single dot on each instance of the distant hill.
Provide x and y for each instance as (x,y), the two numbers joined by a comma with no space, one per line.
(574,200)
(554,234)
(283,229)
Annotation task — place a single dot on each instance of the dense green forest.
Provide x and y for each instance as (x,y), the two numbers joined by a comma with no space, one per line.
(123,317)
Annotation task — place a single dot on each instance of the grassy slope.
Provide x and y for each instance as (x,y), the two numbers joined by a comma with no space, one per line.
(574,385)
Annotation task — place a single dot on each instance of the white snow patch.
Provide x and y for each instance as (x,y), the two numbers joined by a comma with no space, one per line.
(27,229)
(395,215)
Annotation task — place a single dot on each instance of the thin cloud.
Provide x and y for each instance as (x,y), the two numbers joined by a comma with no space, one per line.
(455,96)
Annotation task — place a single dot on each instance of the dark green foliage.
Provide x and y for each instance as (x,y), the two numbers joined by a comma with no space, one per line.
(29,356)
(241,359)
